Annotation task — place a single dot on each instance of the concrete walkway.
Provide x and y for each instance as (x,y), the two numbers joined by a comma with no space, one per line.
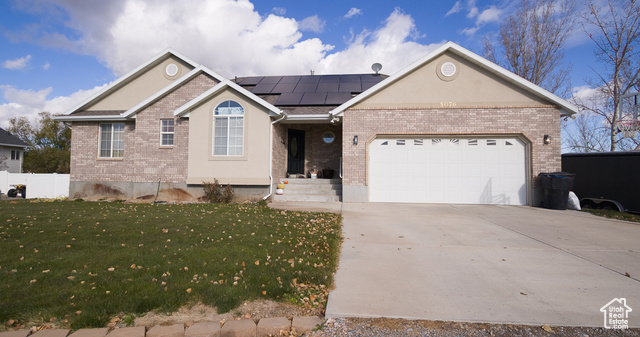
(494,264)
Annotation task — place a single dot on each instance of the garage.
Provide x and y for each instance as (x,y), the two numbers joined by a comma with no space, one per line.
(459,170)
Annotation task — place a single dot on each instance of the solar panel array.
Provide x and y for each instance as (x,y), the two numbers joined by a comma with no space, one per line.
(311,90)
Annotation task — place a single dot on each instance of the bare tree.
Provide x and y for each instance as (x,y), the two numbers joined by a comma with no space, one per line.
(50,143)
(615,30)
(531,43)
(3,163)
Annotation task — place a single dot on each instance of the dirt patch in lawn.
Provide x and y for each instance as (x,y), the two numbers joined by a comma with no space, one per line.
(188,315)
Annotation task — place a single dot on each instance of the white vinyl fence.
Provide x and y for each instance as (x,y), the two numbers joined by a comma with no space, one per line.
(39,185)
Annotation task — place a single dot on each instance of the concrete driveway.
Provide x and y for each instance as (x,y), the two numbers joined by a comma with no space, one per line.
(494,264)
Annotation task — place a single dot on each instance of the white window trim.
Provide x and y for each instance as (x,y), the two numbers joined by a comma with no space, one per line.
(15,154)
(213,128)
(111,143)
(162,133)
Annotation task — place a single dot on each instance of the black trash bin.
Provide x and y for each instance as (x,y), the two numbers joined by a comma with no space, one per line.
(556,187)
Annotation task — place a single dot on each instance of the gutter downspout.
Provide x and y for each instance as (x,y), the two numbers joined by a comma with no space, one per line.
(284,115)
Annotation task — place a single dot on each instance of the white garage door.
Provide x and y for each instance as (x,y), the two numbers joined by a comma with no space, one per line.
(448,170)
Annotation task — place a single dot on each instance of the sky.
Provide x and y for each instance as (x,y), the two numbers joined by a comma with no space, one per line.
(56,53)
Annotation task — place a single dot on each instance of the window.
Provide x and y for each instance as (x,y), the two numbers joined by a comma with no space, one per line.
(15,155)
(166,132)
(328,137)
(228,129)
(112,140)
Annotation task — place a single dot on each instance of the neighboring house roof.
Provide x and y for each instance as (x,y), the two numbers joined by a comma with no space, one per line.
(567,108)
(309,94)
(78,113)
(9,140)
(184,110)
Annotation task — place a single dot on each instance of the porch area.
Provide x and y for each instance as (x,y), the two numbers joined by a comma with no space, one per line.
(308,158)
(305,189)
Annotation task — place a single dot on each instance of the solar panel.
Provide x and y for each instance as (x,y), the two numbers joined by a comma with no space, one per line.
(329,78)
(328,87)
(350,78)
(271,79)
(289,98)
(283,87)
(370,78)
(290,79)
(367,85)
(337,98)
(251,80)
(350,87)
(263,88)
(309,79)
(305,87)
(313,98)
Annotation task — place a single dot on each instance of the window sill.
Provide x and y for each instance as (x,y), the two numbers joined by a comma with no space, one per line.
(110,159)
(165,147)
(227,158)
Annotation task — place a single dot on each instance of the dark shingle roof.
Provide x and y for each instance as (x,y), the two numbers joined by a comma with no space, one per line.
(8,139)
(316,94)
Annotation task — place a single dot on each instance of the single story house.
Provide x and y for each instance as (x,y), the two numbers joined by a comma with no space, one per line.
(11,152)
(451,127)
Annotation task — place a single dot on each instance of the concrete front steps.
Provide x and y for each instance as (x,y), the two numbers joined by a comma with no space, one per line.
(319,190)
(275,326)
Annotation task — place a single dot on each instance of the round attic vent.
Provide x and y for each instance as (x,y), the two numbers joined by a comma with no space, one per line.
(448,69)
(171,69)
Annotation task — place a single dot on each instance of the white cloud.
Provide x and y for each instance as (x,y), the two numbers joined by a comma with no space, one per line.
(46,66)
(17,64)
(228,36)
(470,31)
(30,103)
(457,7)
(353,12)
(491,14)
(393,45)
(473,10)
(279,11)
(312,23)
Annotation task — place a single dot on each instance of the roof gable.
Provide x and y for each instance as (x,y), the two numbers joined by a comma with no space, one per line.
(520,88)
(184,110)
(94,102)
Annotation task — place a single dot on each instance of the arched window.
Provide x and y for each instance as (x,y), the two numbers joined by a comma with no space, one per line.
(228,129)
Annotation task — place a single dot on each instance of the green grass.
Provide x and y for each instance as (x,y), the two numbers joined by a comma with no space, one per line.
(614,214)
(81,263)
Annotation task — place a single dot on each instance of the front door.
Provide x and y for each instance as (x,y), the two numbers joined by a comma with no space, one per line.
(295,157)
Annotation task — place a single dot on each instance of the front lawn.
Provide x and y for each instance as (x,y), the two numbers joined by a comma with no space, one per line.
(81,263)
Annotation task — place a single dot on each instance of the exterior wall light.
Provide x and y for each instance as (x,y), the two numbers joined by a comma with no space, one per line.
(547,140)
(355,140)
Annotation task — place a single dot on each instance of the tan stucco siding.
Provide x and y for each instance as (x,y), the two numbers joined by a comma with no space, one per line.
(252,168)
(141,87)
(471,86)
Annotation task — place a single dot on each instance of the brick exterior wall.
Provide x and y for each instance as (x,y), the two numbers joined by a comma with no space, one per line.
(144,159)
(317,152)
(531,122)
